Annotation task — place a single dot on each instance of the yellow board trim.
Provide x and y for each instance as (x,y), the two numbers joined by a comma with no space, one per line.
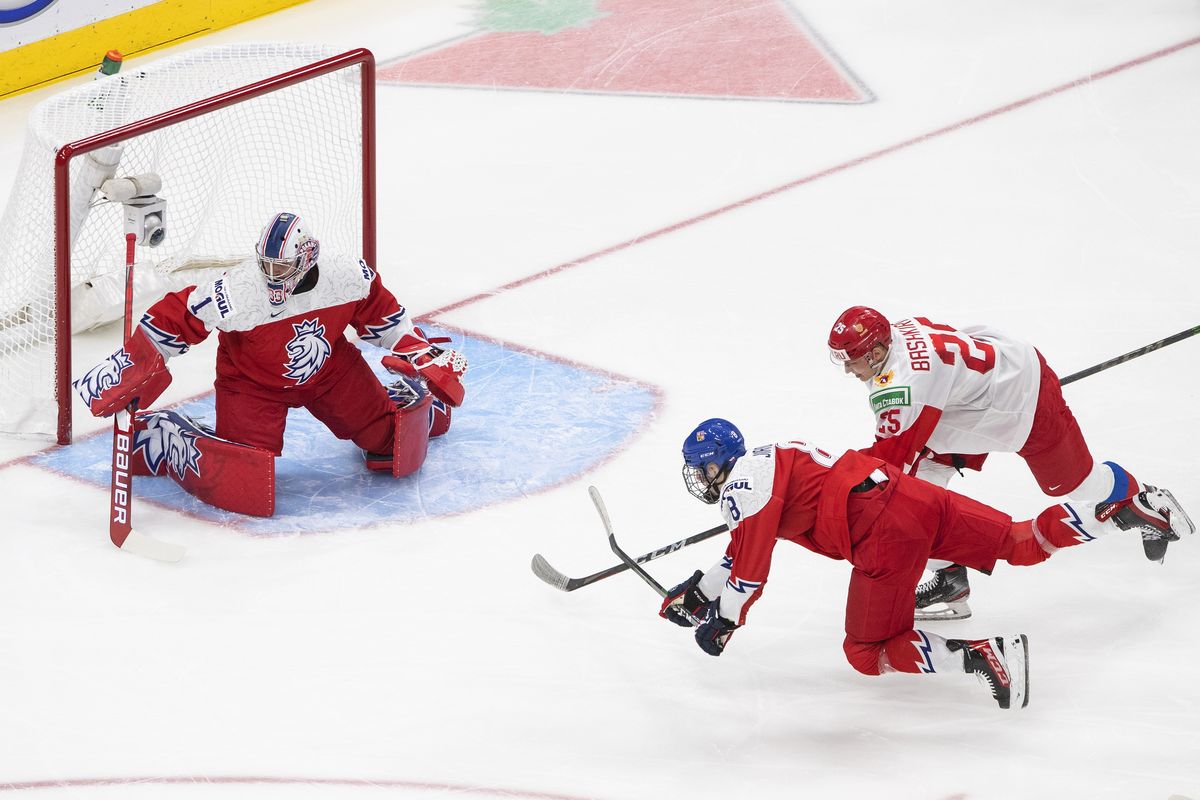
(162,24)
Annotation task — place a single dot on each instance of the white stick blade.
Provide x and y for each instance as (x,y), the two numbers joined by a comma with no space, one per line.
(541,567)
(149,547)
(599,503)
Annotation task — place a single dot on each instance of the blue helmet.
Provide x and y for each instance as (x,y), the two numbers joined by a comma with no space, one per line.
(709,453)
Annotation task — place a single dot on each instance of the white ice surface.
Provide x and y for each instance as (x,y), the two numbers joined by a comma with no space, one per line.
(427,661)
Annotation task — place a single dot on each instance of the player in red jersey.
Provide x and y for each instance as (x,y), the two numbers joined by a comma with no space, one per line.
(281,317)
(887,525)
(944,398)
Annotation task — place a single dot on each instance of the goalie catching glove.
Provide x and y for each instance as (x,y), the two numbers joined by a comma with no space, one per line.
(135,373)
(441,368)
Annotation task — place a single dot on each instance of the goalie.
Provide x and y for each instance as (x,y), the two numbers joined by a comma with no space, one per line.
(281,318)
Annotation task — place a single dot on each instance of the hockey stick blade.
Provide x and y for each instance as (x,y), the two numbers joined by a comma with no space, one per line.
(544,570)
(541,567)
(149,547)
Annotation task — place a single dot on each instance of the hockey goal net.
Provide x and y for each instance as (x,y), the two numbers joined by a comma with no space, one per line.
(236,133)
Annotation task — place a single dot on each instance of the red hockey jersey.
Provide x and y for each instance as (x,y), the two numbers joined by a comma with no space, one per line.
(792,491)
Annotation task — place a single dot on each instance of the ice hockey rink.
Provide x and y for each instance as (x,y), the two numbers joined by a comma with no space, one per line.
(622,259)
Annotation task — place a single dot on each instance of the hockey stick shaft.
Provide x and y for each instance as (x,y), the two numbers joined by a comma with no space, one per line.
(120,519)
(1132,354)
(621,554)
(612,542)
(543,569)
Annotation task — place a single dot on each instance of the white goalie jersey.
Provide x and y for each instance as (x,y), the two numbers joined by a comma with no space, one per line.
(967,391)
(237,300)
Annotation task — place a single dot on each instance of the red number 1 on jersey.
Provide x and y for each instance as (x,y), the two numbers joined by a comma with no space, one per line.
(943,341)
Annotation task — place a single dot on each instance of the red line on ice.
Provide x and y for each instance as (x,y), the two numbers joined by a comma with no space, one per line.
(869,157)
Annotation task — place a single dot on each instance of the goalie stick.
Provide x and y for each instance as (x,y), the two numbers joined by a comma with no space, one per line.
(542,568)
(120,518)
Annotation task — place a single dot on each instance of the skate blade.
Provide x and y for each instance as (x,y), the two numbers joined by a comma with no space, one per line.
(1178,515)
(958,609)
(1155,549)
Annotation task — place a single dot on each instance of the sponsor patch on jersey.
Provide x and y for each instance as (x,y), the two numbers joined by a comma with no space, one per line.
(221,298)
(890,398)
(368,273)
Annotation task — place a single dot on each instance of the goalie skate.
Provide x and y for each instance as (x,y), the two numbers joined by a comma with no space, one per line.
(944,596)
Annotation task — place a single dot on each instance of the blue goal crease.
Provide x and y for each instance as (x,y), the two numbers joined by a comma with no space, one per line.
(529,423)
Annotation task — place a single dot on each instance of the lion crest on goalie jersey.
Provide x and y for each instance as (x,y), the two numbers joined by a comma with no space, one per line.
(307,351)
(169,436)
(103,376)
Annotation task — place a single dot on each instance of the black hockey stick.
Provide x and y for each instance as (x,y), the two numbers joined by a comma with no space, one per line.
(541,567)
(1132,354)
(621,554)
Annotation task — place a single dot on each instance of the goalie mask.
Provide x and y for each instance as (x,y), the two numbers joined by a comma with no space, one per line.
(709,453)
(285,255)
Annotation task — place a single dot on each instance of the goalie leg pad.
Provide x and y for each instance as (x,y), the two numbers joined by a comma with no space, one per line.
(439,418)
(410,441)
(228,475)
(408,389)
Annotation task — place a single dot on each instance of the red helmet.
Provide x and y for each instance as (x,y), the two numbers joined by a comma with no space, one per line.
(855,332)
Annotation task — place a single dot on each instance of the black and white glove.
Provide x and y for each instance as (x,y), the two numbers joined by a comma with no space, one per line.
(684,599)
(714,630)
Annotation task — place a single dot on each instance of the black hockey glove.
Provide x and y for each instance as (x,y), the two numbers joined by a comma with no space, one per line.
(684,599)
(714,630)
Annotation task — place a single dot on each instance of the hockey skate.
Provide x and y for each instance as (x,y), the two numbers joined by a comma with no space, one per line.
(944,596)
(1156,514)
(1002,663)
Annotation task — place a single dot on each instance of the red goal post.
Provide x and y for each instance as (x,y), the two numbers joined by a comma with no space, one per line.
(300,139)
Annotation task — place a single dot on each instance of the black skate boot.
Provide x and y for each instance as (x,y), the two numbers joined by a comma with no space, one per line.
(1155,513)
(944,596)
(1001,662)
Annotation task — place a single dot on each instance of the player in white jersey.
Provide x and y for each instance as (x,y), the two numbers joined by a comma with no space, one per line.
(943,398)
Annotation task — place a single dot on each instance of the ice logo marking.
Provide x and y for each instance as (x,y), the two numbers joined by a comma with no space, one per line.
(170,437)
(103,376)
(307,351)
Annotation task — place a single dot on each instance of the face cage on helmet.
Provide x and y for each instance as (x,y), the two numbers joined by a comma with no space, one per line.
(279,270)
(702,487)
(281,287)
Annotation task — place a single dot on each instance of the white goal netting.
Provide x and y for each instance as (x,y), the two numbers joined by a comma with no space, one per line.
(224,174)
